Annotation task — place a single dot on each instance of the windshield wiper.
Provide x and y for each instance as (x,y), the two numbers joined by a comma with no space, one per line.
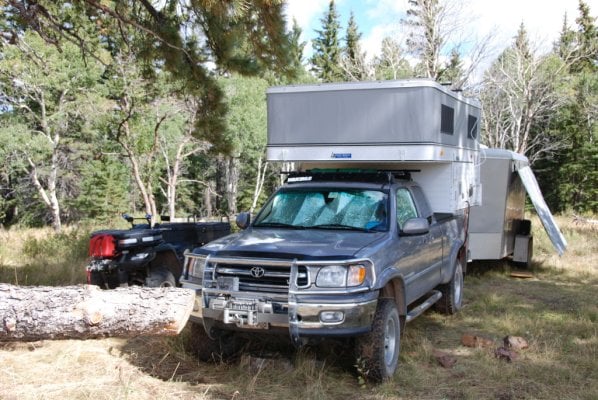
(339,226)
(278,225)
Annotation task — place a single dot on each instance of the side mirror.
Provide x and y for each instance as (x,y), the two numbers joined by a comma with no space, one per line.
(416,226)
(243,220)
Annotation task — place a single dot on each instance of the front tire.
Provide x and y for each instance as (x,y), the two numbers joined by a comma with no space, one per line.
(378,351)
(160,277)
(452,292)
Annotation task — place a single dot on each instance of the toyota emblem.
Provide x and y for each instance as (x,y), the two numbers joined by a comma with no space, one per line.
(257,272)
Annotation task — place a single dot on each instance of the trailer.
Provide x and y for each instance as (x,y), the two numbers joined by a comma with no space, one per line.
(423,127)
(498,228)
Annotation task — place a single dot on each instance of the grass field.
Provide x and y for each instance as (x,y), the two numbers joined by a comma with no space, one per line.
(556,311)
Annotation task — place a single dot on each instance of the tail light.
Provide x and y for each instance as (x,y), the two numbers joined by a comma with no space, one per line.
(102,246)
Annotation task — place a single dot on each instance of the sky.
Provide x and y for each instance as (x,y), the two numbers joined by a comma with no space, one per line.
(377,19)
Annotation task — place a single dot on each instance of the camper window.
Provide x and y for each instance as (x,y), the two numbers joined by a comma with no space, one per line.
(447,119)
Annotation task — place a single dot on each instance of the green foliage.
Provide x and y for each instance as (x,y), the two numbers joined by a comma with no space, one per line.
(105,189)
(327,50)
(71,245)
(570,178)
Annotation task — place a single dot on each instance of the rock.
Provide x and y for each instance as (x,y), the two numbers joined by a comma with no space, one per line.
(505,354)
(515,342)
(444,359)
(469,340)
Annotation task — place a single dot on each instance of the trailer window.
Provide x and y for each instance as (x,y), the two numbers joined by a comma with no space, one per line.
(405,207)
(447,119)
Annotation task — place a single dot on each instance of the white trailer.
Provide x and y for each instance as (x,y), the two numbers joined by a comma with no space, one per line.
(416,125)
(498,228)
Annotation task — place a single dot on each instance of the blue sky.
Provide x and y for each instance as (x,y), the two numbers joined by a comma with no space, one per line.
(379,18)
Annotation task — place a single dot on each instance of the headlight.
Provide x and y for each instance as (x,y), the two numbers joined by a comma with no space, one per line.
(332,276)
(194,266)
(341,276)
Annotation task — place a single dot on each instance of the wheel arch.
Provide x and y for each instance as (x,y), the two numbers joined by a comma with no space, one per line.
(458,252)
(395,289)
(169,259)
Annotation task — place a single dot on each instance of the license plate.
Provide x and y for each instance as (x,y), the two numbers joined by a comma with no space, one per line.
(242,306)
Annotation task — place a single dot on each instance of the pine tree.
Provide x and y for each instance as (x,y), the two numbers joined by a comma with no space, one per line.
(521,45)
(425,41)
(352,38)
(354,64)
(565,43)
(326,59)
(296,50)
(587,41)
(453,71)
(576,166)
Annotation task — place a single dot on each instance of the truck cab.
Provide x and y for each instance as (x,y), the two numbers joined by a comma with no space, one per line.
(332,254)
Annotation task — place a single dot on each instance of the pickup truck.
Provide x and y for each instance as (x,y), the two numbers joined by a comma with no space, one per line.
(331,254)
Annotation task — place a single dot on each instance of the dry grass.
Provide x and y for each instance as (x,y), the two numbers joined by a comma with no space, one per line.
(556,311)
(41,257)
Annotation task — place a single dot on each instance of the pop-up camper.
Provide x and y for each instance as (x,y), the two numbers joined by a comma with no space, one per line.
(421,126)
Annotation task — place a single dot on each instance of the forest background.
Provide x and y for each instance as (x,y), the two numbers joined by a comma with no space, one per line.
(159,107)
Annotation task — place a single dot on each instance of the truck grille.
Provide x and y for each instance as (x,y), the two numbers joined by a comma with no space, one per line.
(267,278)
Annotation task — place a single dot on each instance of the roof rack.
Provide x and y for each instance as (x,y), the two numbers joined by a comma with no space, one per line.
(349,175)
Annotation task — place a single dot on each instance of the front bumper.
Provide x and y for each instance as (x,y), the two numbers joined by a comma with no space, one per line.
(304,315)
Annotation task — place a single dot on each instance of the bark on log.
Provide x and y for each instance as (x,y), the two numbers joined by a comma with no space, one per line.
(84,312)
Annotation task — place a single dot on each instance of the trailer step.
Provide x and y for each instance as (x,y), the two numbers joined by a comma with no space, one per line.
(435,295)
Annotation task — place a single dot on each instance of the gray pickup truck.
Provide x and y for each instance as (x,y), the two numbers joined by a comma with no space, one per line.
(331,254)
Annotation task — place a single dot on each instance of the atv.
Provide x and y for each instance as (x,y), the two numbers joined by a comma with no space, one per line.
(147,255)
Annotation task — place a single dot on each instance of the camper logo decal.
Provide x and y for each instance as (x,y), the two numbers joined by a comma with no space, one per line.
(340,155)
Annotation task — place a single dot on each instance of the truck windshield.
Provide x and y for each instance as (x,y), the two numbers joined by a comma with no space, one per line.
(353,209)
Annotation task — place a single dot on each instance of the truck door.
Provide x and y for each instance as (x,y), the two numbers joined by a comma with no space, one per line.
(419,262)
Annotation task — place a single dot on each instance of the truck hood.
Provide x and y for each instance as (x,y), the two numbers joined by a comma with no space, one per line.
(289,244)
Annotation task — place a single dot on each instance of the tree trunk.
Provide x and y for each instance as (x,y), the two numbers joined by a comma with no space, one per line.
(232,184)
(85,311)
(259,182)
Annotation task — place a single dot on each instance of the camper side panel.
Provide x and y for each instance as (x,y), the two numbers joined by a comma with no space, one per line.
(369,116)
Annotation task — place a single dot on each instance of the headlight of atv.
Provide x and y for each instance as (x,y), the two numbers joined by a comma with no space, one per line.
(341,276)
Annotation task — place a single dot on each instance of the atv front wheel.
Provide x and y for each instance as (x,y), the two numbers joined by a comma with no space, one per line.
(160,277)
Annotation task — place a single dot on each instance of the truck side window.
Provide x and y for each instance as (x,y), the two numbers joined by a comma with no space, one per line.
(405,207)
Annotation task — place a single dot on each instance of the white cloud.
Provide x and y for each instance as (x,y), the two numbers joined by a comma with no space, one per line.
(305,12)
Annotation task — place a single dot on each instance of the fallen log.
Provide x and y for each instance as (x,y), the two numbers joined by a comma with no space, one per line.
(29,313)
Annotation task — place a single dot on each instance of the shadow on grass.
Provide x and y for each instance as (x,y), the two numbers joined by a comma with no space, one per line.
(267,366)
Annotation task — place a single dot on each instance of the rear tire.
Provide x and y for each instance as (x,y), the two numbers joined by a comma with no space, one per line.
(378,351)
(452,292)
(207,349)
(160,277)
(95,278)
